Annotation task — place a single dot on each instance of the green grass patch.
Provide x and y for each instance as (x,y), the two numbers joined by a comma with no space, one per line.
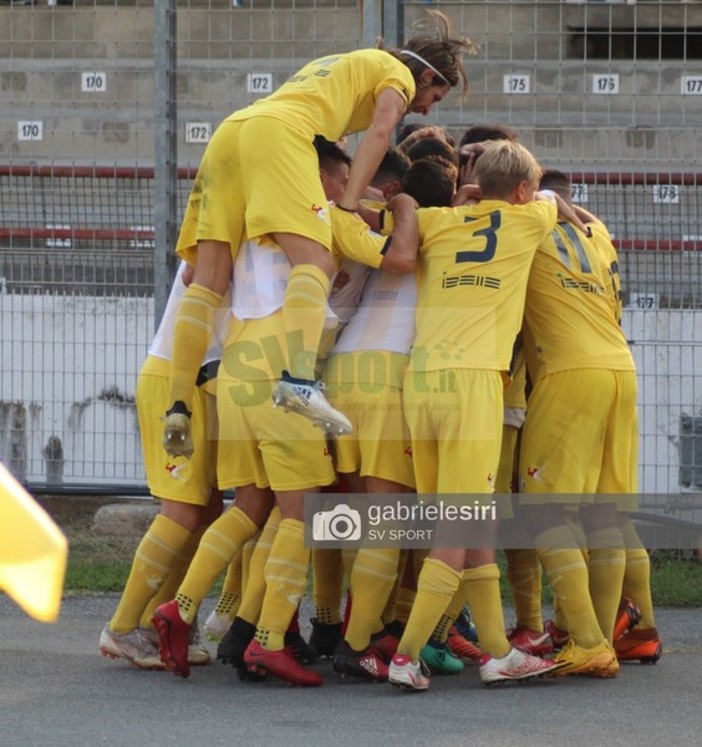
(99,563)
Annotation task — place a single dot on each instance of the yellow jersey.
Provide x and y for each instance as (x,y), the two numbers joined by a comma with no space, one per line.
(334,95)
(473,267)
(569,322)
(610,267)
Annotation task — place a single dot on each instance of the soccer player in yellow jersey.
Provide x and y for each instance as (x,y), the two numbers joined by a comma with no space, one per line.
(580,437)
(607,447)
(243,188)
(185,488)
(474,265)
(262,452)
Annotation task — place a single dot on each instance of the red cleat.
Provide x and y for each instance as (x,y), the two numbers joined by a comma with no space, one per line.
(628,617)
(385,645)
(531,642)
(462,647)
(639,645)
(559,636)
(281,664)
(173,637)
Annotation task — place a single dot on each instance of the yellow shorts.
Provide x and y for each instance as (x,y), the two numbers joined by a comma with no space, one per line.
(580,437)
(365,386)
(258,443)
(455,421)
(257,176)
(175,478)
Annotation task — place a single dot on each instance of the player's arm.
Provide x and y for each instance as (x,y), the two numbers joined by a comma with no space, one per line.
(389,108)
(566,212)
(466,194)
(401,255)
(192,334)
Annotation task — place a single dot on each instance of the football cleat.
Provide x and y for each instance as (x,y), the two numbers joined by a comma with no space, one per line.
(136,647)
(281,664)
(366,664)
(408,676)
(462,647)
(559,637)
(440,659)
(642,645)
(306,398)
(324,638)
(598,661)
(177,439)
(531,642)
(216,627)
(628,617)
(515,666)
(232,647)
(174,638)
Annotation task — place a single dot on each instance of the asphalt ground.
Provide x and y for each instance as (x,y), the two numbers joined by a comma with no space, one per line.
(56,689)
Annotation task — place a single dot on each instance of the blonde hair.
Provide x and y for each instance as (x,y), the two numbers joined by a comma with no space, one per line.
(439,51)
(503,166)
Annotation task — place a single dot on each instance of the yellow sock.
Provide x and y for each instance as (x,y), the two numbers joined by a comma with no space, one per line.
(637,576)
(179,568)
(152,563)
(567,573)
(230,596)
(327,580)
(524,576)
(304,314)
(246,552)
(252,599)
(390,612)
(286,579)
(482,589)
(372,578)
(404,603)
(436,585)
(192,333)
(605,565)
(219,544)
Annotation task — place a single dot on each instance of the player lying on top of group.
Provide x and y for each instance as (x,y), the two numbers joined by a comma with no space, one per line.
(244,189)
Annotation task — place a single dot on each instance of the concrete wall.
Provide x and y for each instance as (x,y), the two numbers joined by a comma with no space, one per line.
(44,50)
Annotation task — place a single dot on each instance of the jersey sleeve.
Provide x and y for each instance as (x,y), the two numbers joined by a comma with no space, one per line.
(399,79)
(353,239)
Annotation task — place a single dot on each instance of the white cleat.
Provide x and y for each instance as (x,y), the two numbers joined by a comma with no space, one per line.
(515,666)
(406,675)
(307,398)
(216,627)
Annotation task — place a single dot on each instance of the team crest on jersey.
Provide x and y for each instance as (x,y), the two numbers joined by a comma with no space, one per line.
(321,212)
(533,472)
(175,470)
(408,451)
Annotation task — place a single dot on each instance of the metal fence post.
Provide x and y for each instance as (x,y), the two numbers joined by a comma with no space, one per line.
(165,150)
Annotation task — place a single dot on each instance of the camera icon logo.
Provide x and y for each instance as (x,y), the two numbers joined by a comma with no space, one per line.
(341,523)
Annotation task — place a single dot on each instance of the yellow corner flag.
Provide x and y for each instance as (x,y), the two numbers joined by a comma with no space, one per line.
(33,552)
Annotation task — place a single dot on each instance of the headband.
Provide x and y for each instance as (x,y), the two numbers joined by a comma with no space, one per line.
(426,64)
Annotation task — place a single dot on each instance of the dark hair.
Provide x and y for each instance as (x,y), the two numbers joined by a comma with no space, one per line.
(395,165)
(407,130)
(440,49)
(432,146)
(431,181)
(481,133)
(329,153)
(556,181)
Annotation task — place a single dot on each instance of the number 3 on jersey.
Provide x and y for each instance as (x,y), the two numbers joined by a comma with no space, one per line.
(490,234)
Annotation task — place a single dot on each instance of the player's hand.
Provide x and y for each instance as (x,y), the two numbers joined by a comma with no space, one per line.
(177,440)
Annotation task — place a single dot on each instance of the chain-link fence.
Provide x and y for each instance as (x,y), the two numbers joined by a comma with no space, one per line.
(106,106)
